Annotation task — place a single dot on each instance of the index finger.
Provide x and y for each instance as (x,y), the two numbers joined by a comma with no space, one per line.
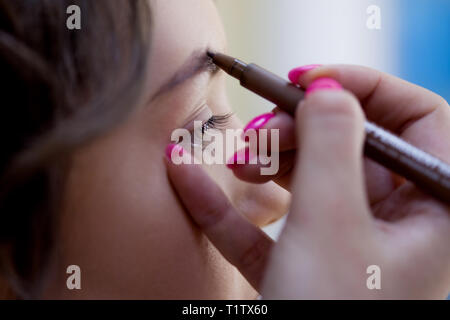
(244,245)
(387,100)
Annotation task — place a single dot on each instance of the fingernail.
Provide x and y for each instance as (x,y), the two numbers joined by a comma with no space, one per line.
(174,148)
(323,84)
(240,158)
(259,121)
(295,74)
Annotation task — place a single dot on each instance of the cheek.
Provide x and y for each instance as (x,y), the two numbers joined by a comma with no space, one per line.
(124,227)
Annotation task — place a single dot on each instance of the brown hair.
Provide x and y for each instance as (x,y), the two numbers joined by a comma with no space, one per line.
(61,88)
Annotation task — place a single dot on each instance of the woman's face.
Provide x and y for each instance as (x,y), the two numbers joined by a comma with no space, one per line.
(122,223)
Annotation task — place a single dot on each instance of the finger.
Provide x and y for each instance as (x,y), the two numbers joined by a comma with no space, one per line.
(379,181)
(389,101)
(329,192)
(241,243)
(253,173)
(259,133)
(265,143)
(416,114)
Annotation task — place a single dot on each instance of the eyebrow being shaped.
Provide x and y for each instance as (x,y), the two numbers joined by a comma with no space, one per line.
(197,63)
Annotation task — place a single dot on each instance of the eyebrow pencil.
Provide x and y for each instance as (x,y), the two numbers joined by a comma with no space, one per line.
(429,173)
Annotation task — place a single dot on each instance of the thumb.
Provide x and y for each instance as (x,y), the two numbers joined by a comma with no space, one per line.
(329,189)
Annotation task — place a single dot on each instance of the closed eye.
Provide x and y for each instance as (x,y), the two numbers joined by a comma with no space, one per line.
(217,122)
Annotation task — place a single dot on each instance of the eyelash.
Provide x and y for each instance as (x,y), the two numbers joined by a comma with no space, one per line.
(217,122)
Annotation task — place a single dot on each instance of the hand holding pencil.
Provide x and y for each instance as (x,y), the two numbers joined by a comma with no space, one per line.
(347,213)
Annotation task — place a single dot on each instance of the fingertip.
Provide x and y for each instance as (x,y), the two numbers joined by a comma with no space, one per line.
(241,157)
(295,74)
(259,121)
(331,104)
(323,84)
(326,71)
(172,148)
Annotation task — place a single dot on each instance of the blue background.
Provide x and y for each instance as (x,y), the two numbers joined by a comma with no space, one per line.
(424,44)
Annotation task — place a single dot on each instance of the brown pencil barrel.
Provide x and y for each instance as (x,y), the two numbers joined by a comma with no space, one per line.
(428,173)
(272,87)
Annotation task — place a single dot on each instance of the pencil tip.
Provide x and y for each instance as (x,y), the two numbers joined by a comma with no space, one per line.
(211,54)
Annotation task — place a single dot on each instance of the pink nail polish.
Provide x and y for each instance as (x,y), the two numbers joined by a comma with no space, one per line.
(174,148)
(294,74)
(241,157)
(323,84)
(259,121)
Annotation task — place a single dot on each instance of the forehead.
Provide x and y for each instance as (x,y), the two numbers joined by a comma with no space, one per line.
(179,28)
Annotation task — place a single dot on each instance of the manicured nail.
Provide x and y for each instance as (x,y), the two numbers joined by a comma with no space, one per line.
(295,74)
(240,158)
(174,148)
(323,84)
(259,121)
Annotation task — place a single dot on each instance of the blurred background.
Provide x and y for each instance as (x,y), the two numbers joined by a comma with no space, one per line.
(413,42)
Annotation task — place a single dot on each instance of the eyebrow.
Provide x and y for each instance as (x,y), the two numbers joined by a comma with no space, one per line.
(198,62)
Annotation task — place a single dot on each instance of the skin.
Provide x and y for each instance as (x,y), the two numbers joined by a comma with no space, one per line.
(347,213)
(122,222)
